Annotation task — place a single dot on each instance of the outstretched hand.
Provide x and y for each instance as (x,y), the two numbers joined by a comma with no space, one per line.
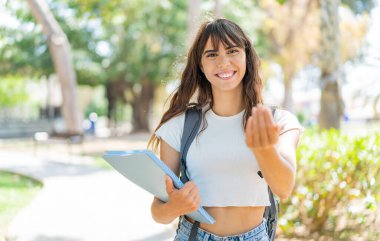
(261,131)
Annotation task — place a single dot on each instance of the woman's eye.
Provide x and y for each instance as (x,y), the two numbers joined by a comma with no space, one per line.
(232,51)
(211,55)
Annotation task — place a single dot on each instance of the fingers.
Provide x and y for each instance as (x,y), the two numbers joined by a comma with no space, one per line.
(255,128)
(272,131)
(191,195)
(196,203)
(189,189)
(263,126)
(261,131)
(169,185)
(186,200)
(186,189)
(248,132)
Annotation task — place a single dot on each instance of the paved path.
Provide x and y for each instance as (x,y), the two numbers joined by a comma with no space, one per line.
(80,202)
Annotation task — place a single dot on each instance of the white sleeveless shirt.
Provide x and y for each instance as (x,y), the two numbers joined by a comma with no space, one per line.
(219,161)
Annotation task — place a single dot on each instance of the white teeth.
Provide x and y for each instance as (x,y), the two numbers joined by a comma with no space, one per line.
(226,75)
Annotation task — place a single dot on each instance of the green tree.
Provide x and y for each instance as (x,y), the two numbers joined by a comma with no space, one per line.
(25,52)
(12,92)
(290,27)
(145,38)
(24,49)
(131,47)
(300,32)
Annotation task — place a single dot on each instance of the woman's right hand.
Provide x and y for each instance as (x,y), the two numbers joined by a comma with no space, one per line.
(184,200)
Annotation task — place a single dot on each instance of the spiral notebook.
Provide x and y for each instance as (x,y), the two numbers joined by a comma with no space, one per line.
(146,170)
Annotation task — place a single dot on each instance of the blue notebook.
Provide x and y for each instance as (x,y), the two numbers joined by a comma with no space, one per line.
(146,170)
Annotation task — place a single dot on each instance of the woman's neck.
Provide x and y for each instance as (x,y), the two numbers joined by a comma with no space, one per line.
(227,103)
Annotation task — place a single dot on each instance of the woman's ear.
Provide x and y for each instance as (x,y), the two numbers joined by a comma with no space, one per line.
(201,67)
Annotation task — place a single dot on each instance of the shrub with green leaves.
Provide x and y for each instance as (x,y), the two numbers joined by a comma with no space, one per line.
(337,186)
(12,91)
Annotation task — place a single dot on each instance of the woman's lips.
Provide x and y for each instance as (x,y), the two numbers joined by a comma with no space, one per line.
(226,75)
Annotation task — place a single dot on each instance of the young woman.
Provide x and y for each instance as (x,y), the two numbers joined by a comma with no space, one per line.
(238,137)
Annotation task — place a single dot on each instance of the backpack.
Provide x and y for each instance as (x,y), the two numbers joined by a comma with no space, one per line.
(191,126)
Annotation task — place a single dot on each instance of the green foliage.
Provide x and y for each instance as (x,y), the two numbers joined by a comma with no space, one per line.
(16,191)
(99,108)
(98,103)
(12,92)
(142,39)
(24,48)
(360,6)
(248,16)
(110,39)
(152,37)
(357,6)
(337,187)
(23,51)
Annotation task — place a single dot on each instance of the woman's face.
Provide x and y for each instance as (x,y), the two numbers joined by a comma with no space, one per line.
(224,68)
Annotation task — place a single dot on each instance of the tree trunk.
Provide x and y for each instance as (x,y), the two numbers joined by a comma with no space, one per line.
(376,102)
(288,70)
(331,103)
(218,9)
(60,50)
(193,18)
(141,105)
(115,93)
(288,95)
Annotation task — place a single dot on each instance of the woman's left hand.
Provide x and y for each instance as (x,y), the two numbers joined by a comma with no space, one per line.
(261,132)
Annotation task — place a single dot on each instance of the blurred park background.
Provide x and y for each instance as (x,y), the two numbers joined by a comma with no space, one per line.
(81,77)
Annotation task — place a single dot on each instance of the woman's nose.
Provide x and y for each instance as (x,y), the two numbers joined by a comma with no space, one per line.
(224,60)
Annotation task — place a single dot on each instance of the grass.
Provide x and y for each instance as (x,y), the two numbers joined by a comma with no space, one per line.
(101,163)
(16,191)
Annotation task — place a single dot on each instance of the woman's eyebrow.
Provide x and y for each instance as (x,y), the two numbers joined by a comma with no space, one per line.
(214,51)
(209,51)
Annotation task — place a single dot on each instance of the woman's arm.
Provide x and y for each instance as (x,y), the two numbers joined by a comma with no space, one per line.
(276,154)
(185,200)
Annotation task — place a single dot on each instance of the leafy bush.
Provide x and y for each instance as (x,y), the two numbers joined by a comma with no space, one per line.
(12,92)
(337,186)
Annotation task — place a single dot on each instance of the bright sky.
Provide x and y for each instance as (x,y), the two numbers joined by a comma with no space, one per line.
(6,19)
(369,72)
(374,34)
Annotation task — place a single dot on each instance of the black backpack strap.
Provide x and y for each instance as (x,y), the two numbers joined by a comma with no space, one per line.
(273,109)
(190,130)
(272,215)
(194,231)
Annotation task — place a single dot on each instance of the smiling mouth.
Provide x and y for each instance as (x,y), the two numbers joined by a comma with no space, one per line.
(226,76)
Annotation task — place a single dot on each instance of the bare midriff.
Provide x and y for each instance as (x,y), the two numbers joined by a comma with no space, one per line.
(232,220)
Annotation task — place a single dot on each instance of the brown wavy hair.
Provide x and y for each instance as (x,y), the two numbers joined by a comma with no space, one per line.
(193,80)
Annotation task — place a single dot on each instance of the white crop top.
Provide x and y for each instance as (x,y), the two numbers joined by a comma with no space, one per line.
(219,161)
